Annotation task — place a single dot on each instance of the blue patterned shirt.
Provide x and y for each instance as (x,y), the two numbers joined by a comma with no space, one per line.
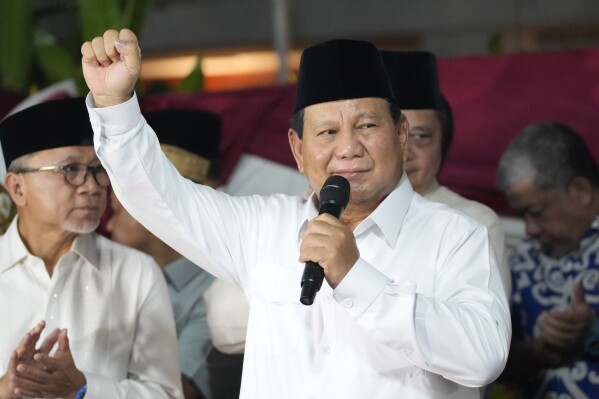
(187,284)
(541,283)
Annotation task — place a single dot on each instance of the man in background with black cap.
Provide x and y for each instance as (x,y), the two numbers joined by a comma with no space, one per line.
(408,308)
(107,324)
(190,139)
(415,83)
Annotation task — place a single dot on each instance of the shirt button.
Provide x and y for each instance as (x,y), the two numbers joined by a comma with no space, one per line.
(55,295)
(348,303)
(326,350)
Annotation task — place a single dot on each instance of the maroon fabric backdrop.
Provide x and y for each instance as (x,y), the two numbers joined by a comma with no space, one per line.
(8,100)
(493,97)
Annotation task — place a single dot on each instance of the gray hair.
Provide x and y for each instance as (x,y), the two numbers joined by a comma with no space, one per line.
(18,164)
(551,153)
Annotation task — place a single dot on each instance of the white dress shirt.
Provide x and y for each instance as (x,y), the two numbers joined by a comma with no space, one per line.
(421,314)
(114,302)
(484,215)
(227,311)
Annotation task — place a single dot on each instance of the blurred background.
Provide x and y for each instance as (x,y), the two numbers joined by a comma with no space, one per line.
(229,44)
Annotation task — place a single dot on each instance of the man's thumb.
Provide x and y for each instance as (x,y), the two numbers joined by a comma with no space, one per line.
(128,47)
(578,292)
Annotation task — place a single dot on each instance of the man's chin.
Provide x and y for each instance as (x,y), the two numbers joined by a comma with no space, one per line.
(82,227)
(554,251)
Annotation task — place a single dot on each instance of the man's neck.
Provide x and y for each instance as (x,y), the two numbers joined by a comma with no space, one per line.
(163,254)
(48,244)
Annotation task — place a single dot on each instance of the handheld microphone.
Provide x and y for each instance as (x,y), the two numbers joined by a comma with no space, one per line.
(334,197)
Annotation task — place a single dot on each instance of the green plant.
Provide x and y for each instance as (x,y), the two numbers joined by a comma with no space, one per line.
(40,40)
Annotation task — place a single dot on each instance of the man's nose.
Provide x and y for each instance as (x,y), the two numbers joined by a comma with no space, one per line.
(533,228)
(90,184)
(349,144)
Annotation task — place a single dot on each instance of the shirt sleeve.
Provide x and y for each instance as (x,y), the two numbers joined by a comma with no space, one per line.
(227,312)
(153,370)
(467,309)
(203,224)
(497,237)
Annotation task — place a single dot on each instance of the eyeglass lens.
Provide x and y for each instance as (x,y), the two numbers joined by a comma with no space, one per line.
(77,174)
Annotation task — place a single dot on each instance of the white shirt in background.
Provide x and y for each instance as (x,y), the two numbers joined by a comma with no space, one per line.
(114,302)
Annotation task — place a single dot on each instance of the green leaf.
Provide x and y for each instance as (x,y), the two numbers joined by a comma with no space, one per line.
(194,81)
(494,44)
(135,13)
(99,15)
(15,44)
(54,60)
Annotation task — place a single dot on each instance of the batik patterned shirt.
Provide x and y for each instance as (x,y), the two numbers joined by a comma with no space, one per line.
(541,283)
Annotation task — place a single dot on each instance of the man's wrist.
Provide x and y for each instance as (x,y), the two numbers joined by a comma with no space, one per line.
(101,101)
(5,392)
(81,392)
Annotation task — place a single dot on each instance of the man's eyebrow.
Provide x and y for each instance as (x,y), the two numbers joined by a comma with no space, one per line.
(369,114)
(329,122)
(73,159)
(69,159)
(522,209)
(421,128)
(321,124)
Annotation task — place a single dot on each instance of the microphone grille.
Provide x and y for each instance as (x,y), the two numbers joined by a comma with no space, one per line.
(336,190)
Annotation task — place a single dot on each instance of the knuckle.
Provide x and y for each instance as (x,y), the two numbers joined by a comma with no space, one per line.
(110,32)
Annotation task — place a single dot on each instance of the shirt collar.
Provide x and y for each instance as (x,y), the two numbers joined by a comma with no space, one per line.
(590,236)
(433,187)
(309,213)
(180,272)
(15,251)
(388,216)
(86,246)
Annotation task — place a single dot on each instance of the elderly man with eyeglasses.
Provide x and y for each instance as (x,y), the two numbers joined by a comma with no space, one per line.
(82,315)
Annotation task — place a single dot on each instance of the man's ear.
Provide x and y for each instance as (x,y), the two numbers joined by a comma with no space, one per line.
(296,148)
(581,191)
(403,129)
(15,185)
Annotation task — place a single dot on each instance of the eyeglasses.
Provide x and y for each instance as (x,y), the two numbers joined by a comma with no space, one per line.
(74,173)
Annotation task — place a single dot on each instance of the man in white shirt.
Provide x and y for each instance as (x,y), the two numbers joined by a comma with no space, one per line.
(412,305)
(415,82)
(107,328)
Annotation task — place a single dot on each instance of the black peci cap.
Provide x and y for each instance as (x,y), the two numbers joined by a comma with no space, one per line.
(414,79)
(51,124)
(195,131)
(341,70)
